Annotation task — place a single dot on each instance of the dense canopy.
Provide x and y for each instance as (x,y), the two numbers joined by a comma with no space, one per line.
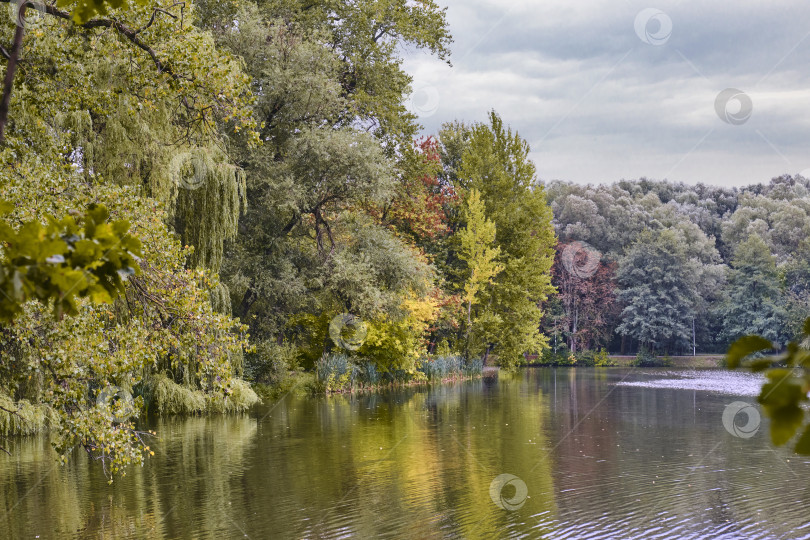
(202,195)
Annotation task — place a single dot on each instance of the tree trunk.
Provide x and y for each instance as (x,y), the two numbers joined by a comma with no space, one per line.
(574,332)
(694,348)
(11,69)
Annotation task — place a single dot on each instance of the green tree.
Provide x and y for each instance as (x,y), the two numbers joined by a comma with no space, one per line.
(480,254)
(336,142)
(368,36)
(119,124)
(657,285)
(754,301)
(495,162)
(796,273)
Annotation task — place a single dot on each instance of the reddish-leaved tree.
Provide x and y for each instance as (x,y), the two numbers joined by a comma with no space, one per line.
(419,208)
(587,294)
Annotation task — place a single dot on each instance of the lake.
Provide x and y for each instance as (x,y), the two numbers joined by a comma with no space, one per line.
(544,453)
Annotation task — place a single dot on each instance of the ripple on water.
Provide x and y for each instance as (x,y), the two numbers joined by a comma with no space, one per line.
(717,381)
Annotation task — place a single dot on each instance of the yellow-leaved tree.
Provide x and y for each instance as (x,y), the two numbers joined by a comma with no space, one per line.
(479,251)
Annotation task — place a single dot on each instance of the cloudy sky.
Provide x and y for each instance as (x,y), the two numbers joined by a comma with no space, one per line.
(605,90)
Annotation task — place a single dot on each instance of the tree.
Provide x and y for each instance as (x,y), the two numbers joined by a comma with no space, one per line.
(367,36)
(119,124)
(421,204)
(754,302)
(711,223)
(336,184)
(796,274)
(495,162)
(588,298)
(480,255)
(657,286)
(82,11)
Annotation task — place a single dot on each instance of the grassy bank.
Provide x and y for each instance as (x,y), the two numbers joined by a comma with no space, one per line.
(698,361)
(590,359)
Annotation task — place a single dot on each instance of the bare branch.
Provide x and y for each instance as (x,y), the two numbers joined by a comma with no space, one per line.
(154,14)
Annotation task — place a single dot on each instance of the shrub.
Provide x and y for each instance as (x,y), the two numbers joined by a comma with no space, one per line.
(368,374)
(164,396)
(646,358)
(549,358)
(442,367)
(443,349)
(334,372)
(473,367)
(240,398)
(302,382)
(398,376)
(601,359)
(586,358)
(270,363)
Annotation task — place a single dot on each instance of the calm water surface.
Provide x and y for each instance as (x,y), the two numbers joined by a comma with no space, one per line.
(603,453)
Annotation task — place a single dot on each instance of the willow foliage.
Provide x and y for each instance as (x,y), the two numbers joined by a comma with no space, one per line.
(95,119)
(208,197)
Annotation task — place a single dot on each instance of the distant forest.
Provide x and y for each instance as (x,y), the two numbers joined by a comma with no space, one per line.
(679,266)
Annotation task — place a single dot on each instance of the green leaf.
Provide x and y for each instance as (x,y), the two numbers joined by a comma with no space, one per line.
(784,423)
(745,346)
(782,389)
(806,327)
(99,295)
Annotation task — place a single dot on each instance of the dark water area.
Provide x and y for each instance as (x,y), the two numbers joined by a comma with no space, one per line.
(545,453)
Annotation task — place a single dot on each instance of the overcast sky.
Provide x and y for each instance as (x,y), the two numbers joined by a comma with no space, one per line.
(604,90)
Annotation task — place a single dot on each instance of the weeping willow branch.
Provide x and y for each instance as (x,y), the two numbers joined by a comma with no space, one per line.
(121,28)
(208,196)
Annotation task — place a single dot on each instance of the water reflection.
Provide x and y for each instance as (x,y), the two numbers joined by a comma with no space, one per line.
(599,459)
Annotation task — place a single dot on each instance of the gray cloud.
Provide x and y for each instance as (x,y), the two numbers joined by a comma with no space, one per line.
(598,104)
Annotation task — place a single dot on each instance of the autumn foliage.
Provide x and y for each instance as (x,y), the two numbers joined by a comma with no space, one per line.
(588,301)
(420,206)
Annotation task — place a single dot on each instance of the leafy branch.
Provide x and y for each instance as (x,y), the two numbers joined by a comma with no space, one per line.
(82,17)
(786,388)
(63,260)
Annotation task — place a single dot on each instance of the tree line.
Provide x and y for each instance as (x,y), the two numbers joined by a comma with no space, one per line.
(681,268)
